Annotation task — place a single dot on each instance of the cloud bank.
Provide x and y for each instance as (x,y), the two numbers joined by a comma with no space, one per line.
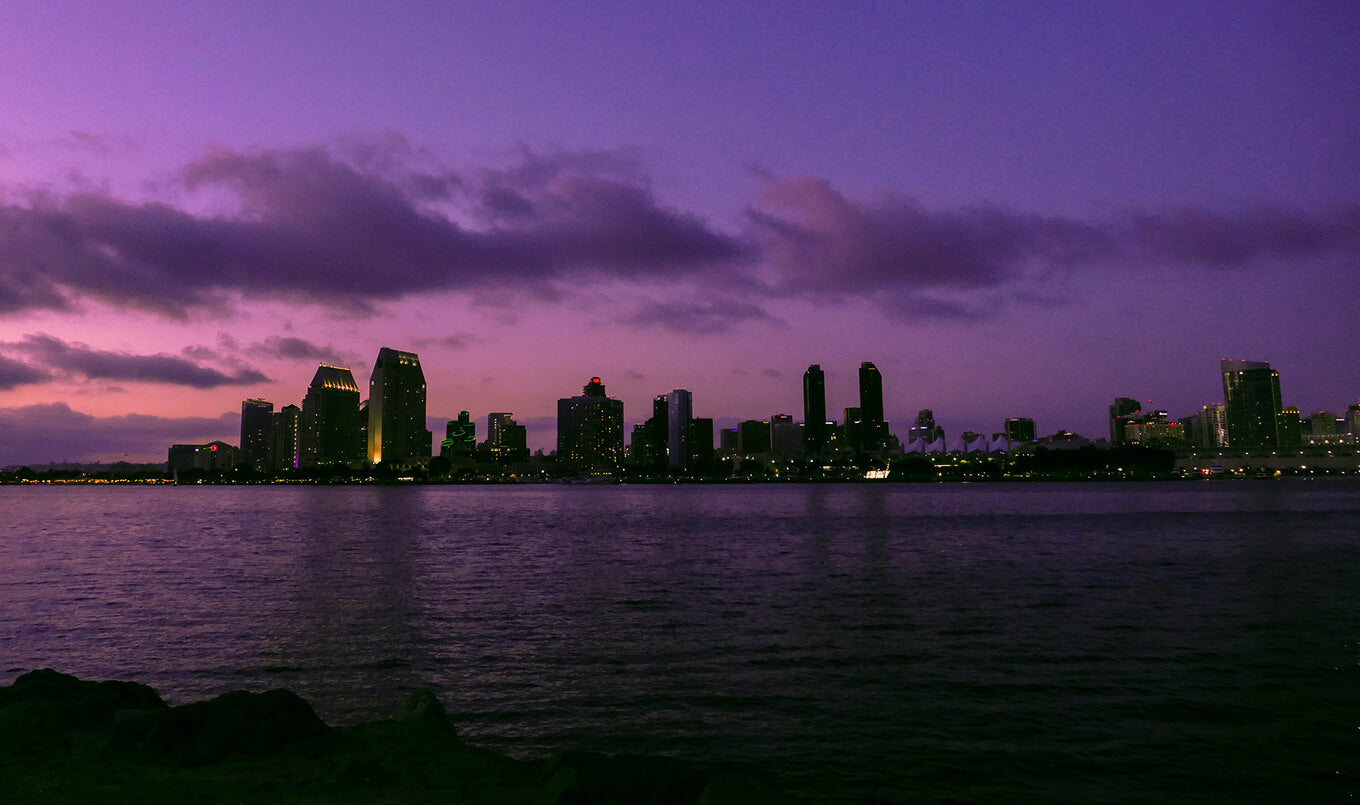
(380,222)
(46,354)
(37,434)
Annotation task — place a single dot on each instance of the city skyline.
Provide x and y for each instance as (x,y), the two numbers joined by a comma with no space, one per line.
(1011,211)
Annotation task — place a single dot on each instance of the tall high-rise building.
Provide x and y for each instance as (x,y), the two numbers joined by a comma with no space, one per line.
(460,437)
(1120,411)
(814,410)
(1019,429)
(753,437)
(257,422)
(1251,400)
(283,438)
(873,430)
(1353,420)
(700,443)
(506,439)
(330,419)
(679,412)
(1289,428)
(590,431)
(396,410)
(786,436)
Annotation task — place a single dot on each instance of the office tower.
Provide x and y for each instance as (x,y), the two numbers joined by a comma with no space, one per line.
(256,425)
(679,412)
(283,438)
(874,430)
(814,410)
(1353,420)
(1251,399)
(1323,423)
(658,434)
(925,429)
(1289,428)
(786,436)
(396,410)
(460,437)
(1019,429)
(590,431)
(506,439)
(753,437)
(330,419)
(1122,408)
(727,442)
(700,443)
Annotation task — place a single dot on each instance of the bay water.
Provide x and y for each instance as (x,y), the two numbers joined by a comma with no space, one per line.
(1155,642)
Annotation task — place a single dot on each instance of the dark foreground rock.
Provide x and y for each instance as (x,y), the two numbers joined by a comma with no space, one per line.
(64,739)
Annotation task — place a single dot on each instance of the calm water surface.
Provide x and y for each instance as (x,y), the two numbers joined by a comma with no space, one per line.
(1116,643)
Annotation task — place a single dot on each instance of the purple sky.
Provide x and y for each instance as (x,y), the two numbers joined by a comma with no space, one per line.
(1013,209)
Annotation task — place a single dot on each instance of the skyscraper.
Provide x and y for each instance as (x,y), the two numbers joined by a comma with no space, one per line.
(873,430)
(256,424)
(1019,429)
(1251,402)
(330,418)
(283,438)
(814,409)
(1122,408)
(460,437)
(506,439)
(396,409)
(590,431)
(679,411)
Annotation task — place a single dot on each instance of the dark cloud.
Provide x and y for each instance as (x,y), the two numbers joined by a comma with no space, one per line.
(52,353)
(38,434)
(16,373)
(633,374)
(960,264)
(772,373)
(699,318)
(307,226)
(289,347)
(455,341)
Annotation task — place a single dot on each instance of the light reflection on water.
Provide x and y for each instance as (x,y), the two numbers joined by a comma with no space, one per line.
(1117,642)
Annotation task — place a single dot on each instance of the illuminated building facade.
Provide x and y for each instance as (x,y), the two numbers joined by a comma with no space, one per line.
(460,437)
(396,410)
(330,432)
(590,431)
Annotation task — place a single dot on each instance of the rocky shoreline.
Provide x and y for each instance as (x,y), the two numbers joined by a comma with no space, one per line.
(67,740)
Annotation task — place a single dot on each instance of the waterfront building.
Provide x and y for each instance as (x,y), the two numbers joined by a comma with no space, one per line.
(679,412)
(1019,429)
(330,429)
(700,443)
(283,438)
(786,436)
(506,439)
(397,433)
(257,421)
(753,437)
(814,410)
(1121,412)
(460,437)
(210,457)
(925,429)
(873,431)
(1290,428)
(590,431)
(1251,398)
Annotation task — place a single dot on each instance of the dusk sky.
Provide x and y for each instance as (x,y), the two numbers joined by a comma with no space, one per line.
(1013,209)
